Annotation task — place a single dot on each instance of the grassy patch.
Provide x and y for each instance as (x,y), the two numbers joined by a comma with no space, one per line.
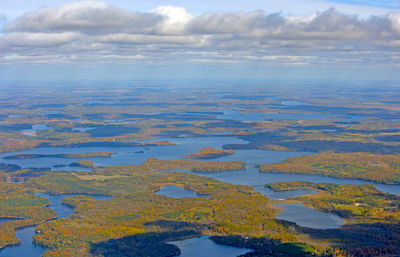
(294,249)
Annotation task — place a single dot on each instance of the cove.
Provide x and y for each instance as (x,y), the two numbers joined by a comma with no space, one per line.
(252,177)
(26,247)
(203,246)
(308,217)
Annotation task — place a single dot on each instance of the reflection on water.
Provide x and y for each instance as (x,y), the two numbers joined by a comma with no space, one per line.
(308,217)
(203,246)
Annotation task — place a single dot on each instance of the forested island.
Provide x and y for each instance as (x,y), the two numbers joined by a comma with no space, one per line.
(374,167)
(209,153)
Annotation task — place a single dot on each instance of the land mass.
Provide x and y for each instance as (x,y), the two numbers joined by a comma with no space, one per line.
(209,153)
(382,168)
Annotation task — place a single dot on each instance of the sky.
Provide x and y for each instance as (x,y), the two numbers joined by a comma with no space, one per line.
(208,39)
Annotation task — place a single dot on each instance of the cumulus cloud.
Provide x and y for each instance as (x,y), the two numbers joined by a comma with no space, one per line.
(94,31)
(174,20)
(88,16)
(28,39)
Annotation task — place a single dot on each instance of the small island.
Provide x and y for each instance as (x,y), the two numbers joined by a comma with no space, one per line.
(209,153)
(82,164)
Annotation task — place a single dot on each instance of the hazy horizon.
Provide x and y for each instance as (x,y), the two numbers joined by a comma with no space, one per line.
(310,39)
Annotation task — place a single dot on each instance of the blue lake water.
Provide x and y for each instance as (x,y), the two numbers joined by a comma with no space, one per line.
(250,176)
(27,248)
(2,220)
(308,217)
(36,127)
(203,246)
(293,103)
(137,155)
(64,211)
(260,116)
(177,192)
(83,129)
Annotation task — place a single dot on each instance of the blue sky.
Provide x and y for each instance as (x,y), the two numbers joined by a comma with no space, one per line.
(154,39)
(382,3)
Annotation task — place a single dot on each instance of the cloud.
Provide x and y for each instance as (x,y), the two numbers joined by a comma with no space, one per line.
(28,39)
(88,16)
(174,20)
(94,31)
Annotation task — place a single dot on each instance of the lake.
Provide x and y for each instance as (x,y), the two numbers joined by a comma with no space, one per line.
(224,114)
(138,154)
(27,248)
(203,246)
(259,117)
(308,217)
(4,219)
(251,176)
(36,127)
(302,215)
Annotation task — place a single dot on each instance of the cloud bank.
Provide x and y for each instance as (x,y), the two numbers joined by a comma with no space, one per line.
(96,32)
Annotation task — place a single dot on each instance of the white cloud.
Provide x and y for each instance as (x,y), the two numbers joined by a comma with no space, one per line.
(175,19)
(27,39)
(95,31)
(89,16)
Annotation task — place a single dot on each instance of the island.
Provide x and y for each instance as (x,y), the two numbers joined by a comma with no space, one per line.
(209,153)
(381,168)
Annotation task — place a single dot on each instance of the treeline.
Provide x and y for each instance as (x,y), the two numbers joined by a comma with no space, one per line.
(152,244)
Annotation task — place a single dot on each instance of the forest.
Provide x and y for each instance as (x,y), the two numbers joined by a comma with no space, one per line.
(373,167)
